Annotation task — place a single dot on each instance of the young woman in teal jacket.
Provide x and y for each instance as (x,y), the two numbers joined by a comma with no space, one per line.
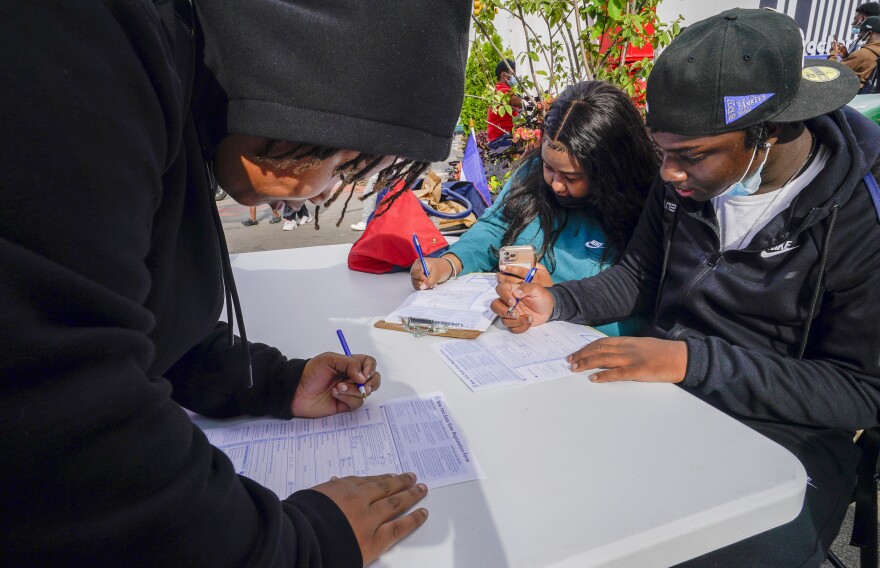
(577,198)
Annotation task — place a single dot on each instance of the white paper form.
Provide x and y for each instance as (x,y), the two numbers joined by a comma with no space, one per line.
(462,303)
(404,434)
(501,359)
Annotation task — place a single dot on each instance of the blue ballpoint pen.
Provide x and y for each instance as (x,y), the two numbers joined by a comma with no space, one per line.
(345,348)
(421,256)
(529,277)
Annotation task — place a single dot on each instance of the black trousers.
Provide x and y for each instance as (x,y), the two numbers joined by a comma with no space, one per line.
(289,213)
(830,458)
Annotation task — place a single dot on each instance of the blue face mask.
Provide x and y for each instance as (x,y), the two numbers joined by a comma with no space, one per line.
(749,186)
(856,31)
(511,80)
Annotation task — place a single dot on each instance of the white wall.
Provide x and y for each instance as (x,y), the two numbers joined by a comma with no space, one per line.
(696,10)
(819,19)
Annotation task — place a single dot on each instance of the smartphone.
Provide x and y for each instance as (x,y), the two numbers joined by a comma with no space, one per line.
(517,255)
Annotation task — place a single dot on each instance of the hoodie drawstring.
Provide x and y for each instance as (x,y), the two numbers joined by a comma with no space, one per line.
(233,305)
(815,299)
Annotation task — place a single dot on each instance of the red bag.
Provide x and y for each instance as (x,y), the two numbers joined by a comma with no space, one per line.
(387,245)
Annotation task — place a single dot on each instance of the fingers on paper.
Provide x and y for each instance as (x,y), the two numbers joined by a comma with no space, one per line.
(606,354)
(392,497)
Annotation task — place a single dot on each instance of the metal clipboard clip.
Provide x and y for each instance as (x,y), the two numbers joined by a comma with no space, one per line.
(420,327)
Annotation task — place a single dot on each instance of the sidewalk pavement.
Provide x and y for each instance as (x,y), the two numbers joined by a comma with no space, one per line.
(266,236)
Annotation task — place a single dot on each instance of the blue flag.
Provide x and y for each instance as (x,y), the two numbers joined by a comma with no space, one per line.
(472,169)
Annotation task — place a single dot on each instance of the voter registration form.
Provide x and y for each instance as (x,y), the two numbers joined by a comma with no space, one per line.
(502,359)
(415,433)
(462,303)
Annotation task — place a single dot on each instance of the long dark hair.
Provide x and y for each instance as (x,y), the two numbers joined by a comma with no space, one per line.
(596,123)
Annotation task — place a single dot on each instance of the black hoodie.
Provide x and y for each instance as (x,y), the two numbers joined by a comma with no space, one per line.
(786,330)
(112,273)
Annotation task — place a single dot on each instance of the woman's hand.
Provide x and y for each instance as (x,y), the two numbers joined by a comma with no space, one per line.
(517,274)
(440,270)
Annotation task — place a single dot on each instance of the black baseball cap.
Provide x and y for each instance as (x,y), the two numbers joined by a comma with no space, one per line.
(870,24)
(738,69)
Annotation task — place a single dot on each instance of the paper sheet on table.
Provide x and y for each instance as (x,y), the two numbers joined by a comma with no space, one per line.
(414,433)
(502,359)
(462,303)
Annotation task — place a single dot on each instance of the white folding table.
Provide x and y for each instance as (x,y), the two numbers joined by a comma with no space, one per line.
(578,474)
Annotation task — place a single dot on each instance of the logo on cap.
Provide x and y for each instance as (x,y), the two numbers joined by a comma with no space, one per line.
(737,107)
(820,74)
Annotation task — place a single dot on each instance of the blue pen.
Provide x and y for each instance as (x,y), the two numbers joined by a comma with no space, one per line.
(421,256)
(529,277)
(345,348)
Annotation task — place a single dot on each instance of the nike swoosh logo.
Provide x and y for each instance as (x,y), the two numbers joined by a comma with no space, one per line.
(769,253)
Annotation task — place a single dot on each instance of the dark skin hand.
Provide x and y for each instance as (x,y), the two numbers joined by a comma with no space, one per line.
(329,384)
(517,274)
(624,358)
(374,505)
(644,359)
(534,308)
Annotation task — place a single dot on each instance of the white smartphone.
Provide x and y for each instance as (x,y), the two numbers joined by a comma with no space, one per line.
(517,255)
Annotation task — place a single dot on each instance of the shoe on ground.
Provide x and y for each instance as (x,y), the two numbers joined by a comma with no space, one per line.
(289,225)
(304,220)
(249,222)
(359,226)
(274,220)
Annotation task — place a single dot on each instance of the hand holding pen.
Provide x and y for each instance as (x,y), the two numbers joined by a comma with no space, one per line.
(347,351)
(528,279)
(534,300)
(421,255)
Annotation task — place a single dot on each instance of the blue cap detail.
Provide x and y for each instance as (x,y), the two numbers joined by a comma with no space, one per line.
(737,107)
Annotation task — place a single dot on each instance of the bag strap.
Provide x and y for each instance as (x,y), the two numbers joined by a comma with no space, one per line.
(448,193)
(874,190)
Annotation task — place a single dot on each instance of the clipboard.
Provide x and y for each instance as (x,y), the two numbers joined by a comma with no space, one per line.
(467,315)
(420,327)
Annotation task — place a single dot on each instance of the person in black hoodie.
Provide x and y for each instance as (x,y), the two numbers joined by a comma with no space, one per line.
(126,112)
(759,252)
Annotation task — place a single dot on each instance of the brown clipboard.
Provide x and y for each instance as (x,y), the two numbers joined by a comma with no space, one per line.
(455,333)
(428,327)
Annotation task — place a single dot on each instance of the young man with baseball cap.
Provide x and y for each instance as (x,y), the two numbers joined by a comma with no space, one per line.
(758,254)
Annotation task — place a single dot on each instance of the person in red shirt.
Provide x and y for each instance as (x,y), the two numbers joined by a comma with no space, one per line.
(500,127)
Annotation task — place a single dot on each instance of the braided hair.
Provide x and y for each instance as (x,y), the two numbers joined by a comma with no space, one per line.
(349,173)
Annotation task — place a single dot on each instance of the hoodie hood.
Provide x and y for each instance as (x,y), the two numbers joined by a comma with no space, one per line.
(854,141)
(377,77)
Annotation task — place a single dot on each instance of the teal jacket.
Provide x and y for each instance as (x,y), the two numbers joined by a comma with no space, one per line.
(578,250)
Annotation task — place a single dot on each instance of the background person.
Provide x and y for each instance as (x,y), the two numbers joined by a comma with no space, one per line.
(252,217)
(577,198)
(292,217)
(862,12)
(112,325)
(759,255)
(864,60)
(500,127)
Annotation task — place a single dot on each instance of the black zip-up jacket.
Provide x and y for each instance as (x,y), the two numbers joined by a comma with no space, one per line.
(787,329)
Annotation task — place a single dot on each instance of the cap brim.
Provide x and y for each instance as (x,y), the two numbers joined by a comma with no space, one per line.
(817,97)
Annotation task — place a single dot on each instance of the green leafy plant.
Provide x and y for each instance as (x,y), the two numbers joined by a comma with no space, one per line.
(566,37)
